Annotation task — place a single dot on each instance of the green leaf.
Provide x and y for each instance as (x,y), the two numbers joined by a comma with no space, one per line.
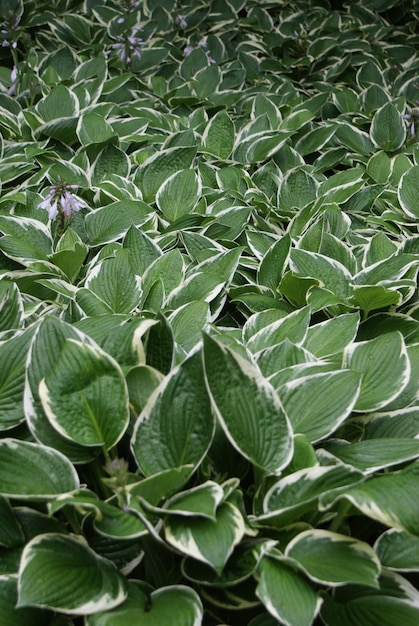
(334,559)
(390,499)
(218,137)
(331,274)
(388,130)
(407,192)
(188,322)
(9,614)
(298,189)
(60,102)
(154,610)
(11,532)
(13,354)
(24,239)
(11,306)
(384,365)
(293,495)
(398,550)
(248,408)
(63,573)
(292,327)
(317,404)
(92,128)
(114,282)
(274,263)
(332,336)
(33,472)
(85,396)
(50,337)
(209,541)
(179,194)
(200,501)
(369,610)
(374,454)
(286,593)
(176,426)
(111,222)
(143,250)
(157,168)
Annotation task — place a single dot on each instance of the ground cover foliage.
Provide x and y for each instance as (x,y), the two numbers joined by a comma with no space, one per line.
(209,313)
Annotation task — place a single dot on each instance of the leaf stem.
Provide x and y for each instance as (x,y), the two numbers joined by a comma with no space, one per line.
(341,513)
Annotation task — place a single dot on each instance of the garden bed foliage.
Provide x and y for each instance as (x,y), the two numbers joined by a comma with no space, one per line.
(209,320)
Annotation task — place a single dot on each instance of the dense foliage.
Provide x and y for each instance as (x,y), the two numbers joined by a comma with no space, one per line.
(209,316)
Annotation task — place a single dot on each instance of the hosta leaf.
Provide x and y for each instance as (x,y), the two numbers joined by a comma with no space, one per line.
(158,608)
(274,263)
(392,424)
(176,426)
(298,189)
(218,137)
(248,408)
(9,614)
(30,471)
(240,566)
(63,573)
(157,168)
(179,194)
(11,533)
(334,559)
(318,404)
(49,339)
(332,336)
(210,541)
(11,306)
(187,323)
(112,221)
(85,396)
(24,239)
(286,593)
(407,192)
(369,610)
(297,493)
(375,454)
(388,130)
(92,128)
(200,501)
(292,327)
(385,369)
(113,281)
(398,550)
(390,498)
(330,273)
(143,250)
(12,378)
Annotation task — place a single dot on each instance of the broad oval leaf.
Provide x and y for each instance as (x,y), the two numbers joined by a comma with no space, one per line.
(114,282)
(218,137)
(334,559)
(9,614)
(286,593)
(388,130)
(369,610)
(318,404)
(407,192)
(30,471)
(248,408)
(207,540)
(374,454)
(179,194)
(389,498)
(63,573)
(176,426)
(398,550)
(157,609)
(85,396)
(385,368)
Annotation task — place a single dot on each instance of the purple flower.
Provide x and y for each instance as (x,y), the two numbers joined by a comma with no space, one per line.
(181,21)
(61,201)
(129,46)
